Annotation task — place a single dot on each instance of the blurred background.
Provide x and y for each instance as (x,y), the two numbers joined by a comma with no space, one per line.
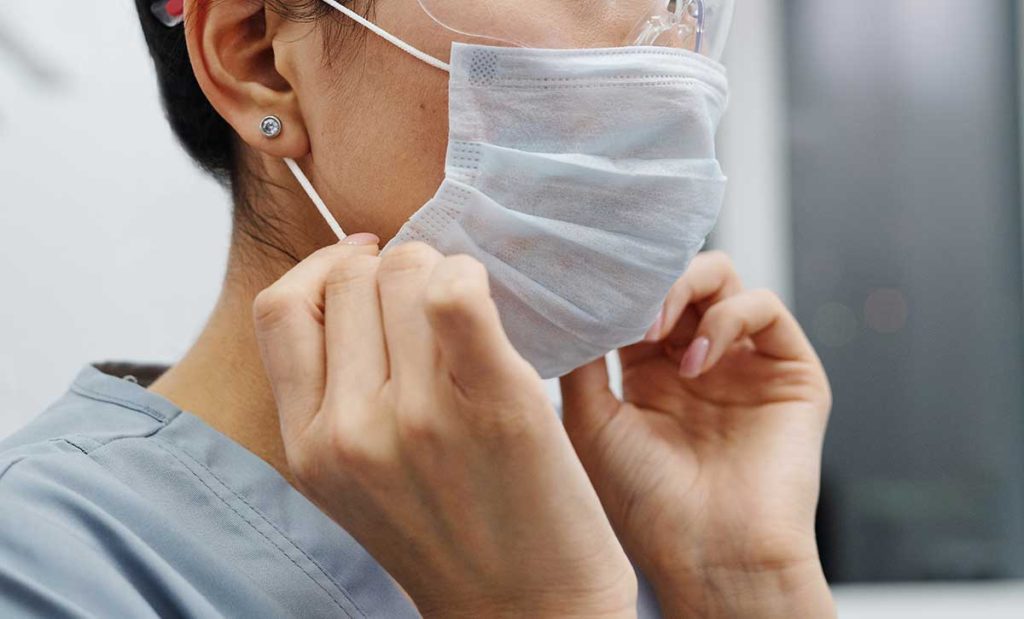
(874,150)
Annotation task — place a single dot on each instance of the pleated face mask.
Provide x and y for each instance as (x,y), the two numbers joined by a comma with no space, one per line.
(585,180)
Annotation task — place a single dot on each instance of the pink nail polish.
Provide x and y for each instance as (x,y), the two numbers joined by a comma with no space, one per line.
(695,357)
(361,238)
(654,333)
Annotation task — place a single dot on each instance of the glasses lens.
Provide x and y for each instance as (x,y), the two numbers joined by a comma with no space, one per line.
(696,25)
(717,23)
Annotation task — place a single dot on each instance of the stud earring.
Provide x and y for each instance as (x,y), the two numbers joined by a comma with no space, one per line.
(271,127)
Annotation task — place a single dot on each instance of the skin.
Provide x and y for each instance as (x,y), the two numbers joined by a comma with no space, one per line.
(436,445)
(365,97)
(752,421)
(709,467)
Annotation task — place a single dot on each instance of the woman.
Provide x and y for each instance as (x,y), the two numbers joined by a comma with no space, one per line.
(398,394)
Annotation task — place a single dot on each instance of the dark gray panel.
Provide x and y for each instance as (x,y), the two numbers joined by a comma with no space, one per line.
(907,230)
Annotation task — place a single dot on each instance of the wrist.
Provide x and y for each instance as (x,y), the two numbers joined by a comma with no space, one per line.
(610,605)
(531,611)
(797,590)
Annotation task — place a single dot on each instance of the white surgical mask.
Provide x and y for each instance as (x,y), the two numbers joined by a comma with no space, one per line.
(585,180)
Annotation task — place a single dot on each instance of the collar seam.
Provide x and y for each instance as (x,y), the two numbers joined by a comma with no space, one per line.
(99,396)
(174,450)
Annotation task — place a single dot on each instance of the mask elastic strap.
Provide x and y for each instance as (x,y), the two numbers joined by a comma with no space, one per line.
(297,172)
(315,197)
(390,38)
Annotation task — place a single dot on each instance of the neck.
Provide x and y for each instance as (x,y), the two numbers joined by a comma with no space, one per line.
(221,379)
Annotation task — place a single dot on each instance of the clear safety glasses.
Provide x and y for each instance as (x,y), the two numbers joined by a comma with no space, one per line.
(700,26)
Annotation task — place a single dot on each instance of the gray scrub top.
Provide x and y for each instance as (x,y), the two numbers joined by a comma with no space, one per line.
(115,503)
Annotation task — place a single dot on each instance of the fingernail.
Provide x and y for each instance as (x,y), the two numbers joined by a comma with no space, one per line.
(693,360)
(362,238)
(654,333)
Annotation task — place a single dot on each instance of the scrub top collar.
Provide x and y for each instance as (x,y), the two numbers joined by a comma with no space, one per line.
(340,559)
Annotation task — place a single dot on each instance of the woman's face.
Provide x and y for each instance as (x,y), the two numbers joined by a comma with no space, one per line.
(377,116)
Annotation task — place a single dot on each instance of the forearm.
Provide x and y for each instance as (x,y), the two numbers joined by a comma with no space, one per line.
(798,591)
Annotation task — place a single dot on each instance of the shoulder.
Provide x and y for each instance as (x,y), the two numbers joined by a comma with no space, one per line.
(96,409)
(65,524)
(57,464)
(56,453)
(55,543)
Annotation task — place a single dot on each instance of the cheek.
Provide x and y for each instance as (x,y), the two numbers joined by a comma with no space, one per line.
(379,144)
(419,148)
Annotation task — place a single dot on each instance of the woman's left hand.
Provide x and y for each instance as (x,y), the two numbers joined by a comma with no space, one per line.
(710,468)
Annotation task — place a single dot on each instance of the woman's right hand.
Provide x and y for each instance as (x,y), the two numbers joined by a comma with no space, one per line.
(410,420)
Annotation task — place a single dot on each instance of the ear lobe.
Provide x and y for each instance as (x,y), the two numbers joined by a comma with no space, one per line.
(232,54)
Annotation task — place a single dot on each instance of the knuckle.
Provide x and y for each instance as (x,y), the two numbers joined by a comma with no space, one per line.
(718,312)
(767,297)
(720,259)
(305,466)
(451,298)
(458,289)
(467,266)
(408,257)
(712,261)
(350,451)
(304,455)
(682,289)
(351,270)
(418,427)
(828,396)
(814,386)
(331,253)
(274,305)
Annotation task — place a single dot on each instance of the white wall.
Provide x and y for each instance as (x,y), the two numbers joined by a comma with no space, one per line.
(755,224)
(111,244)
(980,600)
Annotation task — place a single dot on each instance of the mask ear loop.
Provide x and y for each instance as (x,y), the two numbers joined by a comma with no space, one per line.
(390,38)
(297,172)
(315,197)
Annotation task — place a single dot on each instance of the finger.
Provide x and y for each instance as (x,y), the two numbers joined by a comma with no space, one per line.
(404,273)
(288,318)
(587,399)
(357,361)
(759,315)
(710,278)
(473,344)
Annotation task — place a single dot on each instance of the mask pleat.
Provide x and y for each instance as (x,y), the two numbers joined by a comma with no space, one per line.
(585,181)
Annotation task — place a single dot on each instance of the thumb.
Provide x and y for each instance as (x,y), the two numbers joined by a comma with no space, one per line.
(587,400)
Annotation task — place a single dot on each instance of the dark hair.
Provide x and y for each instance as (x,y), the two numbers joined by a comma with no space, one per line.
(205,135)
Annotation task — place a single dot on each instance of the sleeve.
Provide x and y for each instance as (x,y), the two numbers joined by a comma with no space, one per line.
(48,569)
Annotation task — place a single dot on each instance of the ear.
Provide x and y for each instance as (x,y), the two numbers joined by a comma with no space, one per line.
(231,48)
